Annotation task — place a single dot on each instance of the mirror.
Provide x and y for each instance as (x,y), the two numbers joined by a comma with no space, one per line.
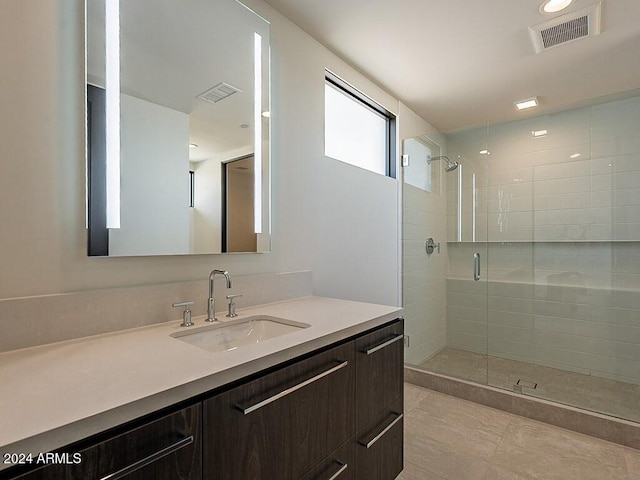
(177,128)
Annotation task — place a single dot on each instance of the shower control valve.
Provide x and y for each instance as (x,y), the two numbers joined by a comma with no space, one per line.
(431,245)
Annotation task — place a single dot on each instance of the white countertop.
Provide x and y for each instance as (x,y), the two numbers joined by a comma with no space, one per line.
(56,394)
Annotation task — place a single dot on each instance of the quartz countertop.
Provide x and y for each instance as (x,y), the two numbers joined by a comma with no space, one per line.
(57,394)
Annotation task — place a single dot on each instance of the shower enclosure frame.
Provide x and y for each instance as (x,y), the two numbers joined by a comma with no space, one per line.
(534,289)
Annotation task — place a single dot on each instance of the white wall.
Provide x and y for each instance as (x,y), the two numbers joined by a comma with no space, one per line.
(345,218)
(154,190)
(339,221)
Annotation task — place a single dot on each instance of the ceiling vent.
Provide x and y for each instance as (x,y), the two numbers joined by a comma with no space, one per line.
(219,92)
(567,28)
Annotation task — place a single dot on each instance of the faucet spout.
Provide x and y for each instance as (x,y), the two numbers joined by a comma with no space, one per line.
(211,302)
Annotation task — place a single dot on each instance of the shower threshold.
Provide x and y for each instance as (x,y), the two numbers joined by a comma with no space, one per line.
(609,397)
(597,425)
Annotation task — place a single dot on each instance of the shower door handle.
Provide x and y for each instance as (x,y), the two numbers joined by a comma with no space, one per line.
(476,266)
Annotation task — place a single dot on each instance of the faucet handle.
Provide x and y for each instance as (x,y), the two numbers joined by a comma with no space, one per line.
(186,314)
(232,306)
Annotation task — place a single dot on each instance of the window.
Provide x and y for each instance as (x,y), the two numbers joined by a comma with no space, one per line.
(356,129)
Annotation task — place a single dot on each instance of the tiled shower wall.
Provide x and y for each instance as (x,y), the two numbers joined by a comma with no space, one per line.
(578,182)
(424,276)
(574,326)
(556,218)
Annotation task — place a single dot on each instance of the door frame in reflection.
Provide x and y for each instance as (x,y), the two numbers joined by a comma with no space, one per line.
(238,233)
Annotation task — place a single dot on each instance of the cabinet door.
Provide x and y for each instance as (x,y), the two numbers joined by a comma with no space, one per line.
(340,465)
(282,424)
(379,371)
(166,449)
(380,448)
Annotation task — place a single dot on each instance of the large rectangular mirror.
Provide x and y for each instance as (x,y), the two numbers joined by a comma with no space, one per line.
(177,128)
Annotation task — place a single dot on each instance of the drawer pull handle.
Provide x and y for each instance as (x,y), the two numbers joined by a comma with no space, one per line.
(384,344)
(343,467)
(386,429)
(298,386)
(150,459)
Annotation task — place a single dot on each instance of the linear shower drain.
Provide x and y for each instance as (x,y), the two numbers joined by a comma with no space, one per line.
(522,383)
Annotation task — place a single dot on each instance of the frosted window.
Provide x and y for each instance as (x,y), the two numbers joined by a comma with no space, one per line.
(354,133)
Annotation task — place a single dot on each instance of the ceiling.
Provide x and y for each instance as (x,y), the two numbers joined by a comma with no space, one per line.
(171,52)
(461,63)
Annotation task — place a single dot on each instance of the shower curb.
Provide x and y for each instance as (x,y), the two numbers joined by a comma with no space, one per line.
(605,427)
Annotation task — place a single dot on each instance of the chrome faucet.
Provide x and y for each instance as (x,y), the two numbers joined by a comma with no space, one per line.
(211,303)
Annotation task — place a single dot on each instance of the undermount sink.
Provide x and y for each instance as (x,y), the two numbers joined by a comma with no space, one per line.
(233,334)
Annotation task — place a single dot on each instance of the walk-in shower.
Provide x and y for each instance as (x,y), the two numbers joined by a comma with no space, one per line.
(551,205)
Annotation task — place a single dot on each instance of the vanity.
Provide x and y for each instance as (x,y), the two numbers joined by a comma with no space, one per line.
(321,401)
(306,388)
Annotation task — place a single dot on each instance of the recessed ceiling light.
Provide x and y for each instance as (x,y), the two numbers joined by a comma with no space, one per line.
(484,152)
(193,145)
(553,6)
(526,103)
(539,133)
(575,155)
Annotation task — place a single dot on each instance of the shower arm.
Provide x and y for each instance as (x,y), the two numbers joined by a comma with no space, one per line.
(451,166)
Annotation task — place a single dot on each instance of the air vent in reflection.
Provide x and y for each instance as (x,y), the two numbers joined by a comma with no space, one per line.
(219,92)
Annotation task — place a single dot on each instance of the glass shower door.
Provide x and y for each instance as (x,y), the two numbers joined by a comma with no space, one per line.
(423,273)
(444,260)
(564,276)
(465,355)
(510,275)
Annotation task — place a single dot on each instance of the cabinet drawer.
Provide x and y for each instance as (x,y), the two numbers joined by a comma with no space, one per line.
(379,371)
(168,448)
(379,449)
(340,465)
(284,423)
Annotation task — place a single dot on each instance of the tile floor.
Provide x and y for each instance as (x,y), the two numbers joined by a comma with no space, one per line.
(446,438)
(576,389)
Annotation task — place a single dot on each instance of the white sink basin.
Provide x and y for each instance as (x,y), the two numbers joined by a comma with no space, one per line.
(229,335)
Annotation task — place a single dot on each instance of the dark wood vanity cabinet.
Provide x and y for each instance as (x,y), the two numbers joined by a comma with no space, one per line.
(379,364)
(334,414)
(379,404)
(284,423)
(168,448)
(379,453)
(340,465)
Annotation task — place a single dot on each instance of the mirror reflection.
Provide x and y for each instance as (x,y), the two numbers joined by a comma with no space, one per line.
(177,128)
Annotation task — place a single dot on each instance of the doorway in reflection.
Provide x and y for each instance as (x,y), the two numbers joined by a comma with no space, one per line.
(238,209)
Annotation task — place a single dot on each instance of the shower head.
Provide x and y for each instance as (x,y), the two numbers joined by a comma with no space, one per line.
(451,166)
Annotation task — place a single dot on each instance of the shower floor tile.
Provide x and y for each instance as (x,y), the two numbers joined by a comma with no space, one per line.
(597,394)
(447,438)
